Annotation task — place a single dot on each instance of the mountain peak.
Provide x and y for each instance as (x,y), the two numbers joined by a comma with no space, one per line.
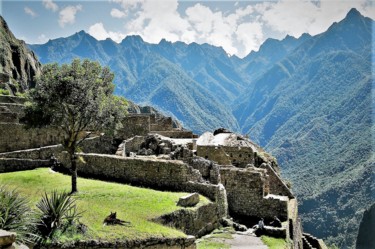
(133,38)
(353,13)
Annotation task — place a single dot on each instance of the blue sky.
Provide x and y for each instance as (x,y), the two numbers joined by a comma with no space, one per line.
(237,26)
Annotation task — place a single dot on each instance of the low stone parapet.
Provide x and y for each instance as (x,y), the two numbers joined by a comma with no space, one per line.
(197,222)
(275,232)
(175,133)
(151,243)
(19,164)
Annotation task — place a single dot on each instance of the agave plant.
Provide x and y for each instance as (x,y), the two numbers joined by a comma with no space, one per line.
(56,211)
(15,214)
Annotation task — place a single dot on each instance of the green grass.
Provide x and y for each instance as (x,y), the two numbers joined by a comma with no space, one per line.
(274,243)
(211,244)
(215,240)
(98,198)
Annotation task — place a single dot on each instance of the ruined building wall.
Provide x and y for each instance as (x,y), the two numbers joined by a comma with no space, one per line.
(160,123)
(133,144)
(247,194)
(213,153)
(134,124)
(175,133)
(15,137)
(161,174)
(227,155)
(240,156)
(276,184)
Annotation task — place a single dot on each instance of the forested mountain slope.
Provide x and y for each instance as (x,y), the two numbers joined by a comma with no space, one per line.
(307,100)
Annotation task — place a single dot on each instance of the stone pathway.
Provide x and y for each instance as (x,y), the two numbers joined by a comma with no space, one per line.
(236,240)
(245,240)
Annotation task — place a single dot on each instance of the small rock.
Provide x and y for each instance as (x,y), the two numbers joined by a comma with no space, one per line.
(6,238)
(226,222)
(239,227)
(189,200)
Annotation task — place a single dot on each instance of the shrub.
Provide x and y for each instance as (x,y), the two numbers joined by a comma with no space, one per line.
(4,92)
(56,212)
(15,213)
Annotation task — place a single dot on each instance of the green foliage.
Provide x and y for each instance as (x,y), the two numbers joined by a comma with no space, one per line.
(56,212)
(15,213)
(75,97)
(274,243)
(23,95)
(4,92)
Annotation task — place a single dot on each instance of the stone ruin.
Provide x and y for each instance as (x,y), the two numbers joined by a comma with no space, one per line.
(239,177)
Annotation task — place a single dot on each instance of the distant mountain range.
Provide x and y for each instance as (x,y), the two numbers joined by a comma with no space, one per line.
(307,100)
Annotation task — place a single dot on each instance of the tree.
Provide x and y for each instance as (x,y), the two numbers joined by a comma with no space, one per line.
(76,98)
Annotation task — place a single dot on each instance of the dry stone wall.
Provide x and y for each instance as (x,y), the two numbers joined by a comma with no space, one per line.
(227,155)
(276,184)
(96,144)
(16,137)
(162,174)
(160,123)
(134,125)
(19,164)
(247,194)
(213,153)
(197,222)
(175,133)
(150,243)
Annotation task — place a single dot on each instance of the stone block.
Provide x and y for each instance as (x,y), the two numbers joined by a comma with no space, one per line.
(188,200)
(7,238)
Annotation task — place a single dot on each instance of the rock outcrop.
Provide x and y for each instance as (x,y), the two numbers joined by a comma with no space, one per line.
(18,64)
(365,238)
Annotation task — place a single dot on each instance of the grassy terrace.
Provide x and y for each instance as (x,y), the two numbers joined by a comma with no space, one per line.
(98,198)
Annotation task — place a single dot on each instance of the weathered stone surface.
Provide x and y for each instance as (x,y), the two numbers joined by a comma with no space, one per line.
(276,184)
(248,194)
(197,222)
(19,65)
(7,238)
(20,164)
(188,200)
(150,243)
(22,138)
(239,227)
(157,173)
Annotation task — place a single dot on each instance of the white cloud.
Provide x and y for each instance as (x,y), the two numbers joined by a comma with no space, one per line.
(155,20)
(42,39)
(298,17)
(238,30)
(50,5)
(68,15)
(250,35)
(30,12)
(117,13)
(128,5)
(100,33)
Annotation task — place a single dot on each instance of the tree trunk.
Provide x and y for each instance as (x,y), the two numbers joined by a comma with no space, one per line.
(73,170)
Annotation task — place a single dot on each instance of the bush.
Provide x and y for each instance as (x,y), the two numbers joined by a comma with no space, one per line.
(15,213)
(4,92)
(57,214)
